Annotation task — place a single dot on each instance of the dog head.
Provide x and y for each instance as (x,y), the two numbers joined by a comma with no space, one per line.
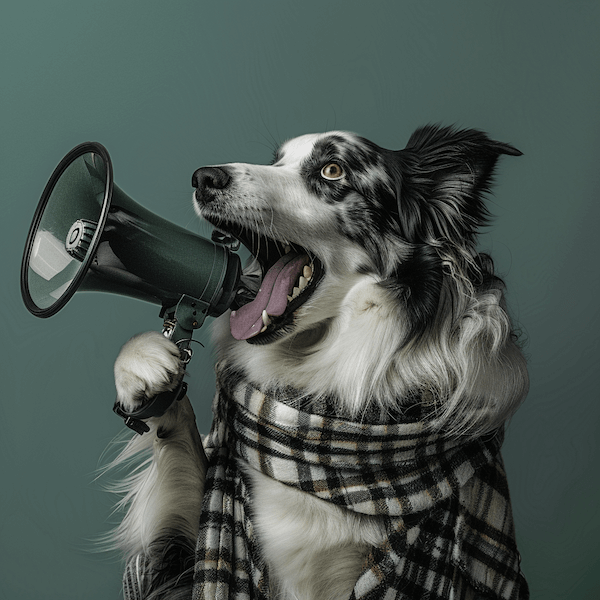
(351,207)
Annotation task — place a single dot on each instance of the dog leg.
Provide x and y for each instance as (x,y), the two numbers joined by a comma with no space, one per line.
(163,496)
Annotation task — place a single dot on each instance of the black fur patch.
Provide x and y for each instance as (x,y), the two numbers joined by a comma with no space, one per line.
(365,198)
(163,432)
(169,567)
(418,283)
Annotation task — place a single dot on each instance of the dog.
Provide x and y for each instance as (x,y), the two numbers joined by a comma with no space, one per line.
(364,301)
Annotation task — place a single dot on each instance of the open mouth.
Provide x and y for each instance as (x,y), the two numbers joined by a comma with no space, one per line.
(278,279)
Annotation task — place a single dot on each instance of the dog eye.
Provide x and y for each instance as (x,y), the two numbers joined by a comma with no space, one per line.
(332,171)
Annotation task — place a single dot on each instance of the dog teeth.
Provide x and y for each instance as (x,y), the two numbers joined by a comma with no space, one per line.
(266,319)
(303,281)
(287,249)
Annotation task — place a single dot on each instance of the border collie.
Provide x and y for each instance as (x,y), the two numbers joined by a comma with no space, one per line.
(367,312)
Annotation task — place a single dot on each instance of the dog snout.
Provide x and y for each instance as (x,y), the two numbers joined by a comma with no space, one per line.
(206,179)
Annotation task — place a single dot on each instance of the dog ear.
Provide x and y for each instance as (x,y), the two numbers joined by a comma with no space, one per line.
(444,174)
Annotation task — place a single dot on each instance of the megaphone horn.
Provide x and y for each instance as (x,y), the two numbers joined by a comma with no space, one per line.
(88,235)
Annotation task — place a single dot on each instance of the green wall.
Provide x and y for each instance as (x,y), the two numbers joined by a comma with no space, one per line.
(171,86)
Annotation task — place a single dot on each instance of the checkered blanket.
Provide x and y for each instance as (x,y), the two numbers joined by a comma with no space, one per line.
(446,501)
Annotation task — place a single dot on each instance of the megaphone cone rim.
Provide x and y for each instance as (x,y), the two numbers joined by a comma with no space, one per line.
(80,150)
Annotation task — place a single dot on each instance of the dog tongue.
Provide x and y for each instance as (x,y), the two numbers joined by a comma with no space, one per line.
(277,285)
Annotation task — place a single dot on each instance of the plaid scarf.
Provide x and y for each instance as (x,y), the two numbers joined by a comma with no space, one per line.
(446,501)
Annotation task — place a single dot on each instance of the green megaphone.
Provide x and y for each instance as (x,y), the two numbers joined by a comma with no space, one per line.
(88,235)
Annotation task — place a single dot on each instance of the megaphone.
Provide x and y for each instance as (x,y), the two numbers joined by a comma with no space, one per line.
(88,235)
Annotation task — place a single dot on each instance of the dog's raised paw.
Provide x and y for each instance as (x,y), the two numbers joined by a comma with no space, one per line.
(148,364)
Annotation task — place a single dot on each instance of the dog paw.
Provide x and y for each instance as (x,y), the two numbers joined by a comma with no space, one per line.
(148,364)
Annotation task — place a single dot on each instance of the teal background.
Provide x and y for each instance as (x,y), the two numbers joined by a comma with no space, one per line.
(169,87)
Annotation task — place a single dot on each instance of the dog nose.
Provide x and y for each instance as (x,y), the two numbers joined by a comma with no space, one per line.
(210,178)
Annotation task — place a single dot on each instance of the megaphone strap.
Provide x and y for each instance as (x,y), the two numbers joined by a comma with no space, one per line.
(155,407)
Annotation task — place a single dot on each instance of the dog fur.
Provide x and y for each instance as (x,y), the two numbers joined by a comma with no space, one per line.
(402,305)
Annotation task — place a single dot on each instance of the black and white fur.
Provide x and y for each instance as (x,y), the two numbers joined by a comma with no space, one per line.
(404,306)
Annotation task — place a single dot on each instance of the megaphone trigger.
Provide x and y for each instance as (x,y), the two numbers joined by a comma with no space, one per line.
(186,354)
(185,350)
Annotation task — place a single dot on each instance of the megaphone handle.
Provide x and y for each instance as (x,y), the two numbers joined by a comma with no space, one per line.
(181,320)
